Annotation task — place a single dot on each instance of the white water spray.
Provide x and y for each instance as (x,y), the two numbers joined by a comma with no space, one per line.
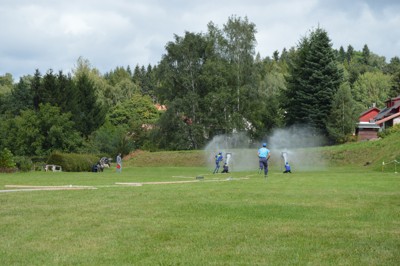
(285,157)
(236,152)
(296,145)
(228,158)
(293,145)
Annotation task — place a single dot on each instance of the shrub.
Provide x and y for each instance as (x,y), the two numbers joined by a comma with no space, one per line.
(7,163)
(73,162)
(24,164)
(38,163)
(389,131)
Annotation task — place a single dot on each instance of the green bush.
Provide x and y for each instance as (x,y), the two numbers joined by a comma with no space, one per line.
(7,163)
(73,162)
(38,163)
(24,164)
(389,131)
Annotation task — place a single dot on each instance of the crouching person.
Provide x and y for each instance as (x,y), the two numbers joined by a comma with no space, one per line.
(225,168)
(287,168)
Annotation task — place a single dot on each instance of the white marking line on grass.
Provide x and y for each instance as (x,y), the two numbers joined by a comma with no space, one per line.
(191,177)
(20,188)
(138,184)
(130,184)
(248,176)
(156,183)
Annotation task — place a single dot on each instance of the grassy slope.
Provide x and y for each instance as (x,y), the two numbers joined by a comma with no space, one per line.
(369,153)
(166,158)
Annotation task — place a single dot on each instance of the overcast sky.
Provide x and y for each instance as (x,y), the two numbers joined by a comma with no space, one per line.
(47,34)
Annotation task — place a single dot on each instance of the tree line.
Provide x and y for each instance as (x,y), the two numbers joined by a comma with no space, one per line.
(212,83)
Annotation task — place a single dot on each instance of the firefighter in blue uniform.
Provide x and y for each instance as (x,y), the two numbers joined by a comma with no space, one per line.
(218,159)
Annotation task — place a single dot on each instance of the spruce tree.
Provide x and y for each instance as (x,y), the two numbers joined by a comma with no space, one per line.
(21,96)
(91,114)
(314,80)
(36,88)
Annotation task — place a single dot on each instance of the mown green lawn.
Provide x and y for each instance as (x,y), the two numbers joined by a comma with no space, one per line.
(339,216)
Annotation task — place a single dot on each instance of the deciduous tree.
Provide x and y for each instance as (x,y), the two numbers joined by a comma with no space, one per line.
(344,115)
(372,88)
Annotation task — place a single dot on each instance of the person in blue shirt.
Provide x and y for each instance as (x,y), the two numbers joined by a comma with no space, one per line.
(218,158)
(263,157)
(287,168)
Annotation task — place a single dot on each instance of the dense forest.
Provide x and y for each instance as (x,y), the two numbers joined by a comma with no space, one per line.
(211,83)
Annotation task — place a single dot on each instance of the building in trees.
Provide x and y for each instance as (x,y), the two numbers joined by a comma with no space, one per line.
(374,120)
(367,128)
(390,115)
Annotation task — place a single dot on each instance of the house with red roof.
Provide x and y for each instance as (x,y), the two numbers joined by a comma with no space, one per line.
(374,120)
(389,116)
(368,116)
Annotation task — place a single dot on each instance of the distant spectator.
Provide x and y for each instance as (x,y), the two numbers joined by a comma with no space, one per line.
(119,163)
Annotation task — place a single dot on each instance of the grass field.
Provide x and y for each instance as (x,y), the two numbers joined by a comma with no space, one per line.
(339,216)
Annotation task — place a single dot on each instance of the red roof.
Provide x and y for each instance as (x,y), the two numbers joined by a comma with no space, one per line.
(369,114)
(387,118)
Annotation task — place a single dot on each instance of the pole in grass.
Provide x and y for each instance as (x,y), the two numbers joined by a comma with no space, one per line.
(383,165)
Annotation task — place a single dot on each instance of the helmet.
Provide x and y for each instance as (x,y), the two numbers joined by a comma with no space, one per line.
(264,144)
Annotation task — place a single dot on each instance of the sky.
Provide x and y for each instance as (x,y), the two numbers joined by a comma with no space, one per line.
(47,34)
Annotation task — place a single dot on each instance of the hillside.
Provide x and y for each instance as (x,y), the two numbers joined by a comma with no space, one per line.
(368,153)
(165,158)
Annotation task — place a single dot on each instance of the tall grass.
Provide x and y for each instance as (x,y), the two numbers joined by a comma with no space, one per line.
(341,216)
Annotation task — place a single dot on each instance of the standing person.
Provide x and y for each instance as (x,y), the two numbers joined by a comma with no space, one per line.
(263,157)
(119,163)
(287,168)
(218,158)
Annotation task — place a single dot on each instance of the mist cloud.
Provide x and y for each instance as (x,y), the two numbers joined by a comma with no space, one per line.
(298,143)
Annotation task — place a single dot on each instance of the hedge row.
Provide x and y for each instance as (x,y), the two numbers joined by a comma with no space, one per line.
(73,162)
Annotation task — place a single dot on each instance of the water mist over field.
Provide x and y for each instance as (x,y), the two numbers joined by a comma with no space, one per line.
(243,153)
(296,143)
(290,144)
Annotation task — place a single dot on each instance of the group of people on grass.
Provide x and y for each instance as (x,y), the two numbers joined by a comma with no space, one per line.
(99,166)
(263,156)
(218,159)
